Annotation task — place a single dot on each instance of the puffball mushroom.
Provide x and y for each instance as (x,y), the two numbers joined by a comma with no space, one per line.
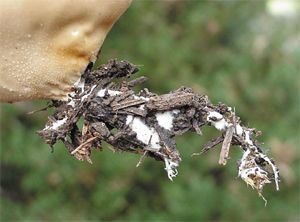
(46,45)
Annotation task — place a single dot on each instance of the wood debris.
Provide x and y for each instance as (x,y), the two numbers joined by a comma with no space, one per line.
(146,123)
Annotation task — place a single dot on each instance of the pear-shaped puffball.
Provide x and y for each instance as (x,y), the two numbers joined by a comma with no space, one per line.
(45,45)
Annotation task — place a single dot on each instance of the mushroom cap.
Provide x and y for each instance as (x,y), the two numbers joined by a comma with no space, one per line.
(46,45)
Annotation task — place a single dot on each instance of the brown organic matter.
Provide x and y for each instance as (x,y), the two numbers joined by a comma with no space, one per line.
(146,123)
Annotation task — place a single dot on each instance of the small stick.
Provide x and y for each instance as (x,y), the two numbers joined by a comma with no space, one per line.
(39,110)
(126,104)
(137,81)
(83,144)
(209,145)
(226,146)
(142,158)
(144,154)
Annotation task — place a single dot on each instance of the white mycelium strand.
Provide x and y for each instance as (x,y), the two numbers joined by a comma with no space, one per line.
(248,137)
(71,103)
(243,161)
(239,130)
(55,125)
(274,168)
(79,84)
(170,167)
(102,92)
(85,96)
(141,97)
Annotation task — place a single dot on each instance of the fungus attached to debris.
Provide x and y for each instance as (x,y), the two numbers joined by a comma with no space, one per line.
(146,123)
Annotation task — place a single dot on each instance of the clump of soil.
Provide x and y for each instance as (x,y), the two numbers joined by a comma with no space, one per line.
(146,123)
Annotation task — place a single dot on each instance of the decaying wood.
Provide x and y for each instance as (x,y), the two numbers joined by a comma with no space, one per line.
(212,143)
(146,123)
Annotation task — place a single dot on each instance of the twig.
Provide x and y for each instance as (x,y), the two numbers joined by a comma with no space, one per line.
(226,146)
(209,145)
(142,158)
(83,144)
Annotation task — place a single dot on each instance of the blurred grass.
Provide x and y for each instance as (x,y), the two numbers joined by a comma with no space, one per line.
(235,52)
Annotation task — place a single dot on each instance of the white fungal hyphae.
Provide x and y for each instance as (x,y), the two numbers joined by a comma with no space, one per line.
(144,133)
(217,120)
(79,84)
(274,169)
(149,136)
(239,130)
(253,173)
(71,102)
(250,171)
(165,119)
(170,167)
(141,98)
(55,125)
(87,95)
(142,107)
(102,92)
(248,137)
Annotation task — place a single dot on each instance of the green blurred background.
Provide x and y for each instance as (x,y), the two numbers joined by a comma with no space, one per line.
(244,53)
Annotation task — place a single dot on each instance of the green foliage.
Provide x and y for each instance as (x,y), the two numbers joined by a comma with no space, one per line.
(235,52)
